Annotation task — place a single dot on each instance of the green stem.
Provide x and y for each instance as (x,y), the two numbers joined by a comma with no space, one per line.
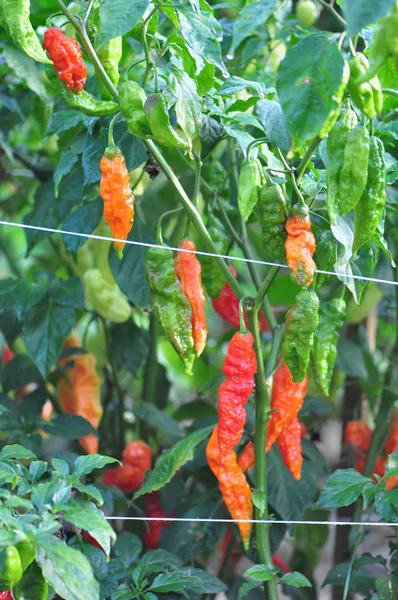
(263,405)
(306,158)
(111,141)
(149,62)
(159,231)
(268,279)
(275,354)
(197,181)
(151,365)
(390,92)
(87,13)
(116,383)
(333,11)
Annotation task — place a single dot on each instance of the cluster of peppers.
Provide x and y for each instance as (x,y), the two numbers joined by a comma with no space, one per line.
(20,576)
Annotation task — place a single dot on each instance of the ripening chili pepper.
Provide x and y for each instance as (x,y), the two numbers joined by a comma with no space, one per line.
(271,212)
(109,477)
(7,595)
(324,351)
(250,180)
(67,58)
(105,298)
(289,444)
(300,246)
(369,210)
(379,468)
(234,487)
(358,435)
(170,305)
(139,454)
(15,17)
(117,195)
(301,322)
(129,478)
(188,271)
(132,100)
(367,95)
(325,256)
(153,509)
(239,368)
(354,173)
(32,586)
(278,562)
(10,568)
(212,277)
(392,440)
(159,121)
(79,391)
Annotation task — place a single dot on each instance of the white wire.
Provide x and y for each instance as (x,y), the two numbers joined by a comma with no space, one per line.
(266,521)
(172,248)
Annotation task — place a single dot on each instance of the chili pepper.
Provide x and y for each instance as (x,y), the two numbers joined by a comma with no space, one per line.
(338,99)
(109,477)
(392,440)
(171,306)
(129,478)
(16,18)
(272,218)
(159,121)
(8,355)
(239,368)
(369,209)
(85,102)
(368,95)
(27,553)
(301,323)
(132,99)
(79,391)
(325,256)
(153,509)
(336,143)
(116,193)
(110,55)
(378,52)
(10,568)
(32,586)
(391,24)
(324,352)
(212,276)
(67,58)
(106,298)
(7,595)
(278,562)
(306,12)
(188,271)
(289,444)
(234,487)
(354,173)
(139,454)
(300,246)
(358,435)
(379,468)
(250,179)
(89,538)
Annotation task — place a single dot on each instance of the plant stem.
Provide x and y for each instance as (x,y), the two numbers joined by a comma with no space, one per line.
(119,390)
(151,365)
(87,13)
(263,405)
(149,62)
(306,158)
(197,181)
(264,287)
(329,6)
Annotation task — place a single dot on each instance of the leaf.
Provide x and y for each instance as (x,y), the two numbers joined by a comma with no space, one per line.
(295,579)
(127,548)
(307,81)
(17,452)
(26,69)
(65,120)
(171,460)
(70,427)
(21,294)
(249,17)
(246,587)
(271,117)
(93,521)
(160,421)
(208,584)
(130,345)
(360,13)
(173,582)
(68,293)
(19,372)
(45,328)
(158,558)
(342,488)
(386,505)
(67,571)
(86,464)
(118,17)
(84,219)
(188,105)
(259,500)
(260,572)
(236,84)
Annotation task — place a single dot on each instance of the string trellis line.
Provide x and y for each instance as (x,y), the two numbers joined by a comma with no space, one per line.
(266,521)
(172,248)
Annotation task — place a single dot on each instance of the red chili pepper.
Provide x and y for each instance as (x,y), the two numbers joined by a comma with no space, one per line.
(138,454)
(358,435)
(67,57)
(278,562)
(289,444)
(154,509)
(6,595)
(89,538)
(109,477)
(129,478)
(8,354)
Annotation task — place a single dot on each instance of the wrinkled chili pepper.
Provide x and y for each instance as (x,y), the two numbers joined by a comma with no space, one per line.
(7,595)
(117,195)
(159,122)
(212,276)
(153,509)
(325,256)
(239,368)
(358,434)
(300,246)
(10,568)
(367,95)
(354,172)
(67,58)
(132,100)
(188,271)
(139,454)
(271,212)
(249,186)
(289,444)
(129,478)
(234,487)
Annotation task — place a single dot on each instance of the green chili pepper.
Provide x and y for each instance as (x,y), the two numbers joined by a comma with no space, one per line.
(271,212)
(378,53)
(391,25)
(26,553)
(336,144)
(110,55)
(369,210)
(32,586)
(159,122)
(10,568)
(368,95)
(301,323)
(16,16)
(171,306)
(338,98)
(212,276)
(85,102)
(354,173)
(132,99)
(325,256)
(324,352)
(250,179)
(106,298)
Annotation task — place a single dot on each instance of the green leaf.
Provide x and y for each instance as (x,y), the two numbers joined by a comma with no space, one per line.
(259,500)
(342,488)
(208,584)
(118,17)
(65,120)
(188,105)
(68,293)
(307,81)
(360,13)
(249,17)
(92,519)
(45,328)
(127,548)
(86,464)
(21,294)
(173,582)
(26,69)
(295,579)
(67,571)
(17,452)
(170,461)
(271,117)
(70,427)
(156,559)
(160,421)
(386,504)
(260,572)
(84,219)
(130,346)
(246,587)
(236,84)
(19,372)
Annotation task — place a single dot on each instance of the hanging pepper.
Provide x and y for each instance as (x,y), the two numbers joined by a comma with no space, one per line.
(10,568)
(106,298)
(336,143)
(171,306)
(67,58)
(250,179)
(300,246)
(289,444)
(338,99)
(7,595)
(354,172)
(368,95)
(188,271)
(370,207)
(15,17)
(159,122)
(117,195)
(358,435)
(239,368)
(325,256)
(32,586)
(129,478)
(27,553)
(132,100)
(272,219)
(212,276)
(139,454)
(301,323)
(324,352)
(79,391)
(153,509)
(234,487)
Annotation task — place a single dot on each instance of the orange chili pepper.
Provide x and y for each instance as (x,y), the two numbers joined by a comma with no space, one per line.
(300,246)
(359,435)
(289,444)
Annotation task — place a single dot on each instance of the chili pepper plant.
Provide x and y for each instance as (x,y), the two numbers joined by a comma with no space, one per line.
(198,299)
